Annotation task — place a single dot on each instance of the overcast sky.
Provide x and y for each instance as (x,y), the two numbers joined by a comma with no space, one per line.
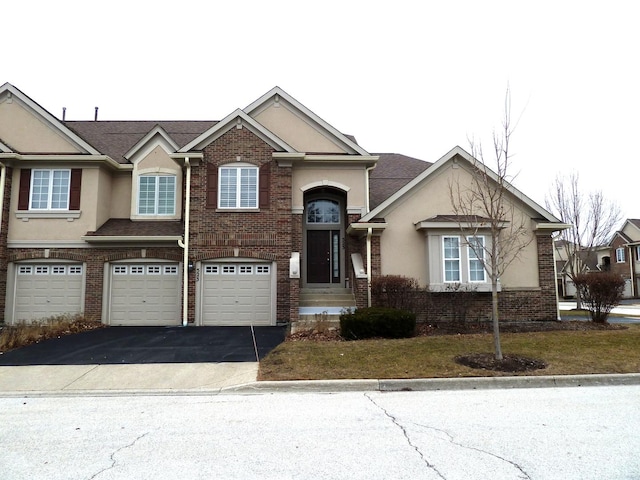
(416,78)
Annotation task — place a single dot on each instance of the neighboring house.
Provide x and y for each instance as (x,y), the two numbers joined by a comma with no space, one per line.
(625,256)
(267,216)
(586,261)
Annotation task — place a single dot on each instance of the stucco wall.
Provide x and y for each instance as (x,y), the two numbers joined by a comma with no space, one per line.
(404,250)
(21,130)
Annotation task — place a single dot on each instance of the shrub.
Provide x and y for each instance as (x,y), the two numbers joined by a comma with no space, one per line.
(600,292)
(377,322)
(396,291)
(25,333)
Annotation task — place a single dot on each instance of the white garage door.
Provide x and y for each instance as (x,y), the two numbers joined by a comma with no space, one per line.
(145,294)
(45,290)
(237,294)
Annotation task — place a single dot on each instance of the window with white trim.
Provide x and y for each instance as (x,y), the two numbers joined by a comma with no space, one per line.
(238,186)
(475,253)
(58,270)
(246,270)
(211,270)
(156,195)
(620,256)
(451,249)
(50,189)
(638,253)
(263,269)
(120,269)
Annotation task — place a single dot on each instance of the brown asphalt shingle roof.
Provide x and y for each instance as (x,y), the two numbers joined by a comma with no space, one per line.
(115,138)
(392,172)
(123,227)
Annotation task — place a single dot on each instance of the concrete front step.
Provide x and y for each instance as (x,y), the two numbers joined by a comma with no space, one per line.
(327,297)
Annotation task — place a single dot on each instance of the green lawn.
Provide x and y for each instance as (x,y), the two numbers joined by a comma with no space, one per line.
(565,352)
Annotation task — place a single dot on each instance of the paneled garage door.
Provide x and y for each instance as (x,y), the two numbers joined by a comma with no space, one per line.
(237,294)
(45,290)
(145,294)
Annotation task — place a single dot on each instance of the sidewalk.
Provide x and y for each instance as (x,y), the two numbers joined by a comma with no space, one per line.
(240,378)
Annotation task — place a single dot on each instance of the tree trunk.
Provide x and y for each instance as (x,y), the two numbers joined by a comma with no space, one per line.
(494,315)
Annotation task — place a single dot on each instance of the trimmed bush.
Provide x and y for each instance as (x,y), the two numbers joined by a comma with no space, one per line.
(600,292)
(396,291)
(380,322)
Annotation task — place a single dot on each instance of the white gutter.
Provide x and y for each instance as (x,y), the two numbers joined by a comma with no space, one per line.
(184,243)
(3,176)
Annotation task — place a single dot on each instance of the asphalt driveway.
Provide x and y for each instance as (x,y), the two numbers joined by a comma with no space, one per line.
(139,345)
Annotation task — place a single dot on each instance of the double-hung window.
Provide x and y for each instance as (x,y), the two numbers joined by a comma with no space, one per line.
(475,252)
(620,258)
(50,190)
(451,247)
(238,187)
(156,195)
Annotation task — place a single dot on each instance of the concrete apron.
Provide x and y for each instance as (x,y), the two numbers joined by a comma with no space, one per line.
(192,377)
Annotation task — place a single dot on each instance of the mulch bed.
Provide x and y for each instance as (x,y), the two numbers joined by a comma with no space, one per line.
(509,363)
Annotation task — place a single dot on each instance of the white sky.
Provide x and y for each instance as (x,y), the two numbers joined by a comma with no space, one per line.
(409,77)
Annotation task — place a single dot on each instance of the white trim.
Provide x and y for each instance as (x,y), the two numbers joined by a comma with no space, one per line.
(157,136)
(621,258)
(70,215)
(325,183)
(471,251)
(458,259)
(238,167)
(49,119)
(236,119)
(277,95)
(434,169)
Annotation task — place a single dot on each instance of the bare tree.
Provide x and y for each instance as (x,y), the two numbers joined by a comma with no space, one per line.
(593,219)
(486,204)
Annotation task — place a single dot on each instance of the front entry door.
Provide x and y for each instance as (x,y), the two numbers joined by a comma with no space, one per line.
(323,256)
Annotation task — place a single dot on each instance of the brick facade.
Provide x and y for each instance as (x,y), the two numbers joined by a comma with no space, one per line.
(263,235)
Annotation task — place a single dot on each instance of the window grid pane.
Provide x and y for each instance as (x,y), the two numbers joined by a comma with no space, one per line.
(60,189)
(166,195)
(452,259)
(476,258)
(323,211)
(228,187)
(40,189)
(248,187)
(147,196)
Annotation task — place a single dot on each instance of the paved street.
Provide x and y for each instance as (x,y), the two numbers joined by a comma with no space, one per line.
(545,433)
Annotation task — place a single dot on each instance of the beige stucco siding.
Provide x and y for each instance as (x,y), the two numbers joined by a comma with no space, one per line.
(120,203)
(406,251)
(349,178)
(27,226)
(296,131)
(26,133)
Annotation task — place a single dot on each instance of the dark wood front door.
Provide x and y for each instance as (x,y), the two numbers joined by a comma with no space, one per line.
(323,261)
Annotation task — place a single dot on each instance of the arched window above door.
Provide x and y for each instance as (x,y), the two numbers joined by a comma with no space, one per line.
(323,211)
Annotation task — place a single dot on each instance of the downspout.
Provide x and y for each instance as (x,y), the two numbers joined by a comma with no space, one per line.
(633,280)
(184,243)
(369,234)
(3,177)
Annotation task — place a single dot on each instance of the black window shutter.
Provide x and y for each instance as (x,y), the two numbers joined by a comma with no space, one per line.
(74,189)
(264,186)
(23,189)
(212,186)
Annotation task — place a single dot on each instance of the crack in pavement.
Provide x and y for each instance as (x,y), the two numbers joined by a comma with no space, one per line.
(112,456)
(406,436)
(452,441)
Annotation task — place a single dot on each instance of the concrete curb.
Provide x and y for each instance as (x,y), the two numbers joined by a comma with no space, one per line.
(434,384)
(337,386)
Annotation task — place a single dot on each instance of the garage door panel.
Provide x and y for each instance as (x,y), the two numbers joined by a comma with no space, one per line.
(236,294)
(145,295)
(46,290)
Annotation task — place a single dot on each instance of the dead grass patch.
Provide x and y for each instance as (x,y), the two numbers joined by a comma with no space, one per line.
(27,333)
(564,352)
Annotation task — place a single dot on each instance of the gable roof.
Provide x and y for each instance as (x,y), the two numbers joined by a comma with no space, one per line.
(12,92)
(239,119)
(393,171)
(449,156)
(278,95)
(116,138)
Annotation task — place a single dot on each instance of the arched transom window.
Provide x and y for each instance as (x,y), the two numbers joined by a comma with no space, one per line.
(323,211)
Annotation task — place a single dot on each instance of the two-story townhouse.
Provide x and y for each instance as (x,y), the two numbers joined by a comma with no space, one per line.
(625,255)
(270,215)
